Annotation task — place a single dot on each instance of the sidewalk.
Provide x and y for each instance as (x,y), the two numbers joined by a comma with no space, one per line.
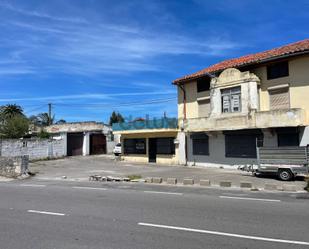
(80,168)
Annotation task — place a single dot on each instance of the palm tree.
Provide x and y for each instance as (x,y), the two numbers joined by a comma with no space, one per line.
(45,120)
(11,110)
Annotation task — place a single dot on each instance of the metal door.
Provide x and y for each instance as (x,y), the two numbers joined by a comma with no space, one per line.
(152,150)
(97,144)
(75,144)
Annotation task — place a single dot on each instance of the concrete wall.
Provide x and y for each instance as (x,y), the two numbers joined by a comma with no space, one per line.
(36,149)
(13,166)
(161,159)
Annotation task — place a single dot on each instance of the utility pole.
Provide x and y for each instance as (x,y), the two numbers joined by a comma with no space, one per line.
(49,113)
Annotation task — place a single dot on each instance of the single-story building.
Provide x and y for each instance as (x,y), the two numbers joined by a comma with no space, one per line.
(153,141)
(84,138)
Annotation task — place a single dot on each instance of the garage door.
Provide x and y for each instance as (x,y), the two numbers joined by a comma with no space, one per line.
(97,144)
(75,144)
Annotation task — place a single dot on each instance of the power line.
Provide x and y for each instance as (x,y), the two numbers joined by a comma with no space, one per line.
(148,102)
(35,109)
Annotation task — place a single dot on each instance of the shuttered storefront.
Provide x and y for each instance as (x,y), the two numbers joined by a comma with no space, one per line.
(242,144)
(279,99)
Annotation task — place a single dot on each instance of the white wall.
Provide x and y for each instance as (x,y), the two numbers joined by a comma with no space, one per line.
(304,136)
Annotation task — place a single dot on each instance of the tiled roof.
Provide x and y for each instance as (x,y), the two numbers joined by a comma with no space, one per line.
(287,50)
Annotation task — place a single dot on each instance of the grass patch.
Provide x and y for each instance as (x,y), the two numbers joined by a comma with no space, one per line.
(134,177)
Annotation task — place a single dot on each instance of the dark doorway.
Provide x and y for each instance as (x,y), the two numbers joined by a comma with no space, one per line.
(75,144)
(97,144)
(152,151)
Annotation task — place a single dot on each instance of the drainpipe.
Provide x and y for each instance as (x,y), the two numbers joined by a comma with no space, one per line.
(183,120)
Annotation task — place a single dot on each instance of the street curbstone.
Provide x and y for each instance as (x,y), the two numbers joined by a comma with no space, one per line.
(171,181)
(246,185)
(148,179)
(204,182)
(157,180)
(269,186)
(188,181)
(289,187)
(226,184)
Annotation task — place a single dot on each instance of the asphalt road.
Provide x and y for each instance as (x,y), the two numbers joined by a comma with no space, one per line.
(48,215)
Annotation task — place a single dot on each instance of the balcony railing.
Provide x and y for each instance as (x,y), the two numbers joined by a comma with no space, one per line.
(161,123)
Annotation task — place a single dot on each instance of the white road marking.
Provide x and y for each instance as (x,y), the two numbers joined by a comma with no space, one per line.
(45,212)
(90,188)
(225,234)
(249,199)
(165,193)
(32,185)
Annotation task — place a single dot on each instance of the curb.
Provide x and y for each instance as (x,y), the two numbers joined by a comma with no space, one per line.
(224,184)
(244,185)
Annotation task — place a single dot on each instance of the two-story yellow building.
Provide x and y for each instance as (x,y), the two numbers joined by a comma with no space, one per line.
(260,99)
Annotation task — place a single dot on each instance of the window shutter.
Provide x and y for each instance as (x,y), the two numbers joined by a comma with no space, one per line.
(235,103)
(226,103)
(279,99)
(203,108)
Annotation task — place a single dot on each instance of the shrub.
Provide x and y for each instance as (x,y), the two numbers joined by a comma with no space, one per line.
(43,134)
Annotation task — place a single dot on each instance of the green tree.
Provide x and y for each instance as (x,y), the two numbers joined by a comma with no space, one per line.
(14,127)
(61,121)
(115,117)
(45,120)
(10,110)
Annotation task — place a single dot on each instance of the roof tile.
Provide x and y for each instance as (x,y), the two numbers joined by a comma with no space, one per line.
(250,59)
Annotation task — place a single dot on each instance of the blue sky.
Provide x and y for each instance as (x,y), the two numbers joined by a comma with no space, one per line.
(89,58)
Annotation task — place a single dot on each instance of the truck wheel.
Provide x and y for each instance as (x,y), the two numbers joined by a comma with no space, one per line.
(285,175)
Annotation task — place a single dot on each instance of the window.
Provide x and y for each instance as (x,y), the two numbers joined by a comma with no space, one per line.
(279,99)
(231,99)
(203,108)
(278,70)
(242,144)
(200,144)
(203,84)
(166,146)
(135,146)
(288,137)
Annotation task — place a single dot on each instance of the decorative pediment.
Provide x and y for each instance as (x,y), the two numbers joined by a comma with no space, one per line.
(232,76)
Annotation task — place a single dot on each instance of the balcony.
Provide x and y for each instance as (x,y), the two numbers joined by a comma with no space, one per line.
(266,119)
(220,123)
(142,126)
(281,118)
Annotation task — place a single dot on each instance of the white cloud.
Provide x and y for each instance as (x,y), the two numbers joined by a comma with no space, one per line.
(40,14)
(87,96)
(71,46)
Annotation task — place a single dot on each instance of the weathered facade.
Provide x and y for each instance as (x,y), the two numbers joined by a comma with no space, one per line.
(229,108)
(84,138)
